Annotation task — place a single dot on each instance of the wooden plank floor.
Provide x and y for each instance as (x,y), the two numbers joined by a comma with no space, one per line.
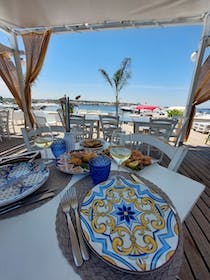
(196,263)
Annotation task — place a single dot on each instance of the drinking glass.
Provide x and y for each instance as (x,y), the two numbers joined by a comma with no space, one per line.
(120,148)
(43,139)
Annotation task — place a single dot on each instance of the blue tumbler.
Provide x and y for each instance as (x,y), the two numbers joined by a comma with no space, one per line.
(58,147)
(99,168)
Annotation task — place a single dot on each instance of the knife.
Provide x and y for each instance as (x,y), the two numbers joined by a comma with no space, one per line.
(21,203)
(135,178)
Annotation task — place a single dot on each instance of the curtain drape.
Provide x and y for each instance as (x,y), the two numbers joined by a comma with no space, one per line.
(202,92)
(35,50)
(9,75)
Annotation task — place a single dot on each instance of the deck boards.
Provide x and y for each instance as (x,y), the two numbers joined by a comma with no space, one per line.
(196,263)
(196,228)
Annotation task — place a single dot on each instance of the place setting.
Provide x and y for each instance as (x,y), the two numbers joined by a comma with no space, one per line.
(29,180)
(129,229)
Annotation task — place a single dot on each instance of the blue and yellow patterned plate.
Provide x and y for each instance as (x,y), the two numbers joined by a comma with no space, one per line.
(129,225)
(21,179)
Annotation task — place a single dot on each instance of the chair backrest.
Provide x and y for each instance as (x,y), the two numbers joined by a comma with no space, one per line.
(60,114)
(77,120)
(162,127)
(4,122)
(108,125)
(28,135)
(40,120)
(175,154)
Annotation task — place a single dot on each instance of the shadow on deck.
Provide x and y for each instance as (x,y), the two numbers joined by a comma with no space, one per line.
(196,263)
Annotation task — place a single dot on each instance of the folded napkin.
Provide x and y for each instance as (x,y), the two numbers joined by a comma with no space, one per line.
(28,156)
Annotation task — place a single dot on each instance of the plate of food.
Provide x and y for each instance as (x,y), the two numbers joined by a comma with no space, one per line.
(92,144)
(74,162)
(137,161)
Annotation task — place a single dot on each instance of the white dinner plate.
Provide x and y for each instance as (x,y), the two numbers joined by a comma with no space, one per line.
(18,180)
(129,225)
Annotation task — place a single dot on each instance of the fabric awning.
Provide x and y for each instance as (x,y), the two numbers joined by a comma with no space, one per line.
(84,14)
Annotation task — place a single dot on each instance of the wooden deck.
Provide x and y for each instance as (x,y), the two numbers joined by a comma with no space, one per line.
(196,263)
(196,165)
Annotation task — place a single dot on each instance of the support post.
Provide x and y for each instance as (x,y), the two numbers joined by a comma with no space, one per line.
(204,42)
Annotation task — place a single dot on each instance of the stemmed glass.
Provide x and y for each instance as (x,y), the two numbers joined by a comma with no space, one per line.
(120,148)
(43,139)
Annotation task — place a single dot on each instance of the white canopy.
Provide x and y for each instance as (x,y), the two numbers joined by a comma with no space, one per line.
(73,15)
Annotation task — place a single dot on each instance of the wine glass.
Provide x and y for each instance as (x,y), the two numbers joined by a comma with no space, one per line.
(43,139)
(120,148)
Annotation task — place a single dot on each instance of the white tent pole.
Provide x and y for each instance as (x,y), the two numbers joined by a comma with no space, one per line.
(201,50)
(20,78)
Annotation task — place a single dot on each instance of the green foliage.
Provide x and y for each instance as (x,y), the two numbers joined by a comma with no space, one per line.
(120,77)
(175,113)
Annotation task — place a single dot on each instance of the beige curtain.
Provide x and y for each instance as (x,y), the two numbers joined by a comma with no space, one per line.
(35,49)
(9,75)
(202,92)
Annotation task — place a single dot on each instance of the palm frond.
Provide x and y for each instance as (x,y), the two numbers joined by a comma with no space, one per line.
(106,76)
(122,75)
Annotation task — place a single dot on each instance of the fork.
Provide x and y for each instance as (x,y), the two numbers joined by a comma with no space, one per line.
(74,205)
(65,204)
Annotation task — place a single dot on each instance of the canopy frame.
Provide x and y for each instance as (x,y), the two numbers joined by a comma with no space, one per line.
(204,43)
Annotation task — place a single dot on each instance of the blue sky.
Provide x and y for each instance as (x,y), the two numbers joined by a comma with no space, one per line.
(160,65)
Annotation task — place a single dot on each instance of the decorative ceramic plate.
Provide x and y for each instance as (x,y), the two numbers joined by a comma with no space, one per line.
(92,144)
(21,179)
(129,225)
(75,162)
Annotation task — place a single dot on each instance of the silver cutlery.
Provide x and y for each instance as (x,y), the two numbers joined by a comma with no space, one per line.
(21,203)
(74,206)
(135,178)
(65,204)
(29,156)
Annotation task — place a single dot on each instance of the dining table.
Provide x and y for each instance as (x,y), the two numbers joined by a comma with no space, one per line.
(35,243)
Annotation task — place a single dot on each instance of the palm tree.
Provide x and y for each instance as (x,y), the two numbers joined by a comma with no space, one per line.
(119,79)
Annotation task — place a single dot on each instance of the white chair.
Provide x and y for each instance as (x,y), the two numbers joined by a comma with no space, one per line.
(108,125)
(4,124)
(162,127)
(182,191)
(41,118)
(174,154)
(28,135)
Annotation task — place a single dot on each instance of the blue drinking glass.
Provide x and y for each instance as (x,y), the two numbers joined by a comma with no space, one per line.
(58,147)
(99,168)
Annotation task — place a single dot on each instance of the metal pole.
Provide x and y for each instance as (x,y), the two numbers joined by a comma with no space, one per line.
(201,50)
(20,78)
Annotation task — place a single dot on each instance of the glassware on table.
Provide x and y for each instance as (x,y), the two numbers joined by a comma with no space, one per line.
(120,148)
(58,147)
(43,139)
(99,168)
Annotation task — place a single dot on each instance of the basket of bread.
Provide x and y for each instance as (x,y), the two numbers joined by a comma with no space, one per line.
(75,162)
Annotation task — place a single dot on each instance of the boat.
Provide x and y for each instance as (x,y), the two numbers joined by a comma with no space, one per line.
(146,107)
(128,108)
